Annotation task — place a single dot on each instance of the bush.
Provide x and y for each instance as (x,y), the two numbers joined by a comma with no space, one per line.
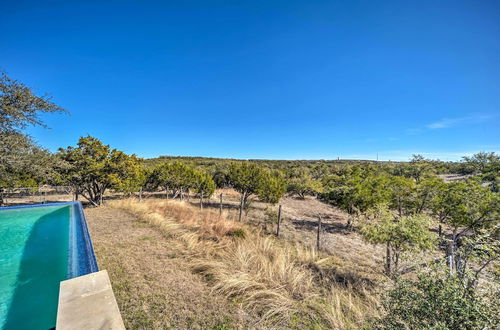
(437,300)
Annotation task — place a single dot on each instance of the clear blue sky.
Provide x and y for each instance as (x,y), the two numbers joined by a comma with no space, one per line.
(263,79)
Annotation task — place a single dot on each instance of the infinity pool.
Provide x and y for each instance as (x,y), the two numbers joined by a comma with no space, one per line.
(40,246)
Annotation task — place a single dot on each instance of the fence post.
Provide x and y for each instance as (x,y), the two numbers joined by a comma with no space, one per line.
(220,205)
(279,221)
(318,245)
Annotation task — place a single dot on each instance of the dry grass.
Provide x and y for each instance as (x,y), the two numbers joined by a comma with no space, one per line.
(152,278)
(282,284)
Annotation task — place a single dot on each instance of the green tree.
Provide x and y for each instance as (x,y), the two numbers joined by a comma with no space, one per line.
(420,168)
(203,185)
(176,176)
(303,186)
(399,234)
(403,196)
(220,176)
(357,193)
(426,190)
(272,187)
(407,196)
(20,107)
(483,162)
(134,181)
(93,167)
(22,161)
(466,207)
(319,171)
(302,181)
(443,205)
(245,178)
(437,300)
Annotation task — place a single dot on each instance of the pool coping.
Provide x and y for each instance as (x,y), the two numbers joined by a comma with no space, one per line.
(88,302)
(23,206)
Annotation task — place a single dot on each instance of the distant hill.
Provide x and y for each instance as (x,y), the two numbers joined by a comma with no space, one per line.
(271,163)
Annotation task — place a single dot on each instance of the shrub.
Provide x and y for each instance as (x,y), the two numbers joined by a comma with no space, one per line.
(436,300)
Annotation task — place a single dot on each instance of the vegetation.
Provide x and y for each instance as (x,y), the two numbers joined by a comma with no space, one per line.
(22,161)
(301,183)
(399,235)
(436,300)
(176,177)
(272,187)
(93,167)
(204,185)
(20,106)
(27,164)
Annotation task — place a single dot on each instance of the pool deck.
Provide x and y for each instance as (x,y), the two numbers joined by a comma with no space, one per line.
(88,302)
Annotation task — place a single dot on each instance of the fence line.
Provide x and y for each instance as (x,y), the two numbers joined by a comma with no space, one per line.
(42,192)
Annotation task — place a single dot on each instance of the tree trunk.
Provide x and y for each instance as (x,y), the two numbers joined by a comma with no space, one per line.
(201,200)
(450,260)
(90,199)
(349,222)
(388,269)
(396,261)
(175,193)
(242,201)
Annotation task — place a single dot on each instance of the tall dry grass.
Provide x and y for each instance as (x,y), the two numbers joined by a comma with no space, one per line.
(277,280)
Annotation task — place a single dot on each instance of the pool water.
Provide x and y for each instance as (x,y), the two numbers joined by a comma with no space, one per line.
(34,258)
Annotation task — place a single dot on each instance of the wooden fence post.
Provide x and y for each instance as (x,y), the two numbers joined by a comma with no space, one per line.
(220,205)
(279,221)
(318,237)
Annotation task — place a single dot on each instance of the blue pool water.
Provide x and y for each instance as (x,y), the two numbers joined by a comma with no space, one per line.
(40,246)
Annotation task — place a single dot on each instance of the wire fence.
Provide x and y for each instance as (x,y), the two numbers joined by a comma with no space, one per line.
(40,194)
